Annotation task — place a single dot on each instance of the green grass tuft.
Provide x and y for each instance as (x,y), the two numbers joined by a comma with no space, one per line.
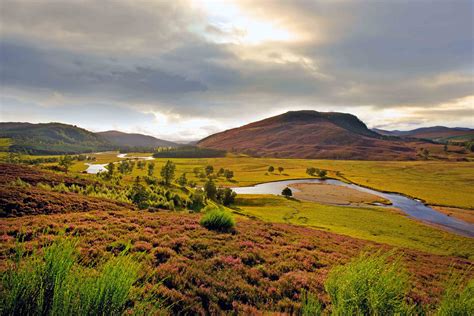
(218,220)
(369,285)
(310,305)
(53,283)
(458,299)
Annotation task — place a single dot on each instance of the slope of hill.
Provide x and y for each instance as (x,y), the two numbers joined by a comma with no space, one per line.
(135,140)
(434,133)
(312,134)
(51,138)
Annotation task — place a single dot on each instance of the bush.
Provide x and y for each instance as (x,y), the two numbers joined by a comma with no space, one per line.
(369,285)
(218,220)
(53,283)
(286,192)
(456,300)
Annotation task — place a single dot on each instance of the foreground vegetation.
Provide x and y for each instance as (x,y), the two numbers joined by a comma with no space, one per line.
(54,282)
(259,267)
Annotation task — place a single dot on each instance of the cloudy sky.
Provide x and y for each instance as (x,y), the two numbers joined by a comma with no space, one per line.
(181,70)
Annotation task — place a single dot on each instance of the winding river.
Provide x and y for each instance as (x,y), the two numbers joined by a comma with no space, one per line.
(94,168)
(412,207)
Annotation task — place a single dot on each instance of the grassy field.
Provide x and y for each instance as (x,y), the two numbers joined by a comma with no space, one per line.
(370,223)
(426,180)
(5,144)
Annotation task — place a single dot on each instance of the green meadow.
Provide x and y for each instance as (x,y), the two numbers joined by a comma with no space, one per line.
(436,182)
(371,223)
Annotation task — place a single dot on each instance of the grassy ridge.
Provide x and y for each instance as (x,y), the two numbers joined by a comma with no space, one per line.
(376,224)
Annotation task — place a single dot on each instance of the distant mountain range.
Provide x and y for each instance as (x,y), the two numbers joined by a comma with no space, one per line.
(312,134)
(435,133)
(295,134)
(57,138)
(135,140)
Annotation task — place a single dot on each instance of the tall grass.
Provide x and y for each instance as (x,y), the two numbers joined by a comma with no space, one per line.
(218,220)
(369,285)
(458,299)
(53,283)
(310,305)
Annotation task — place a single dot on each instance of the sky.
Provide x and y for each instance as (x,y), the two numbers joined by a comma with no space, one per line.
(181,70)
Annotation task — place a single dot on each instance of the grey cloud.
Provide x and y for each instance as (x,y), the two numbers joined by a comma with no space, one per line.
(376,53)
(24,66)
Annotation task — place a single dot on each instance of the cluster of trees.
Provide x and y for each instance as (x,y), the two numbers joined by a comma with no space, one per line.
(271,169)
(208,172)
(316,172)
(188,152)
(224,196)
(17,158)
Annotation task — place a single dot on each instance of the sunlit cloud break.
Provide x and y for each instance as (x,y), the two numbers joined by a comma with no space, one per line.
(204,66)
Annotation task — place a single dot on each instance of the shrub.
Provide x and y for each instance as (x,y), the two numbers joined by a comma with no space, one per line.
(286,192)
(456,300)
(369,285)
(218,220)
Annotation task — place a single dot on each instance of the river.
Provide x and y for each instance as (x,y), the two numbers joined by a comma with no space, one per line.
(412,207)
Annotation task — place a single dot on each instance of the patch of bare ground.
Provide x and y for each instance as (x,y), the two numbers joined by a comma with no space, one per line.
(335,195)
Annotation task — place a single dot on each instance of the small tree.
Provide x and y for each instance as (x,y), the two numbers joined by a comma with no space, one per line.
(209,170)
(280,169)
(197,200)
(139,196)
(182,180)
(65,162)
(322,173)
(445,148)
(220,172)
(228,174)
(287,192)
(110,170)
(271,169)
(311,171)
(151,169)
(226,196)
(167,172)
(425,153)
(210,189)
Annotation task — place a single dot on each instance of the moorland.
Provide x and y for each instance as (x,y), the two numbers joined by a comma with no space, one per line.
(162,231)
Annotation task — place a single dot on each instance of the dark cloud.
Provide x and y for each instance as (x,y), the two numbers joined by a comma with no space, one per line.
(163,56)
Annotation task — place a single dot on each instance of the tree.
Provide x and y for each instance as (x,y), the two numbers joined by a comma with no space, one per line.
(280,169)
(271,169)
(210,189)
(151,169)
(65,162)
(141,164)
(228,174)
(110,170)
(209,170)
(322,173)
(220,172)
(311,171)
(167,172)
(226,196)
(286,192)
(182,180)
(139,196)
(197,200)
(445,148)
